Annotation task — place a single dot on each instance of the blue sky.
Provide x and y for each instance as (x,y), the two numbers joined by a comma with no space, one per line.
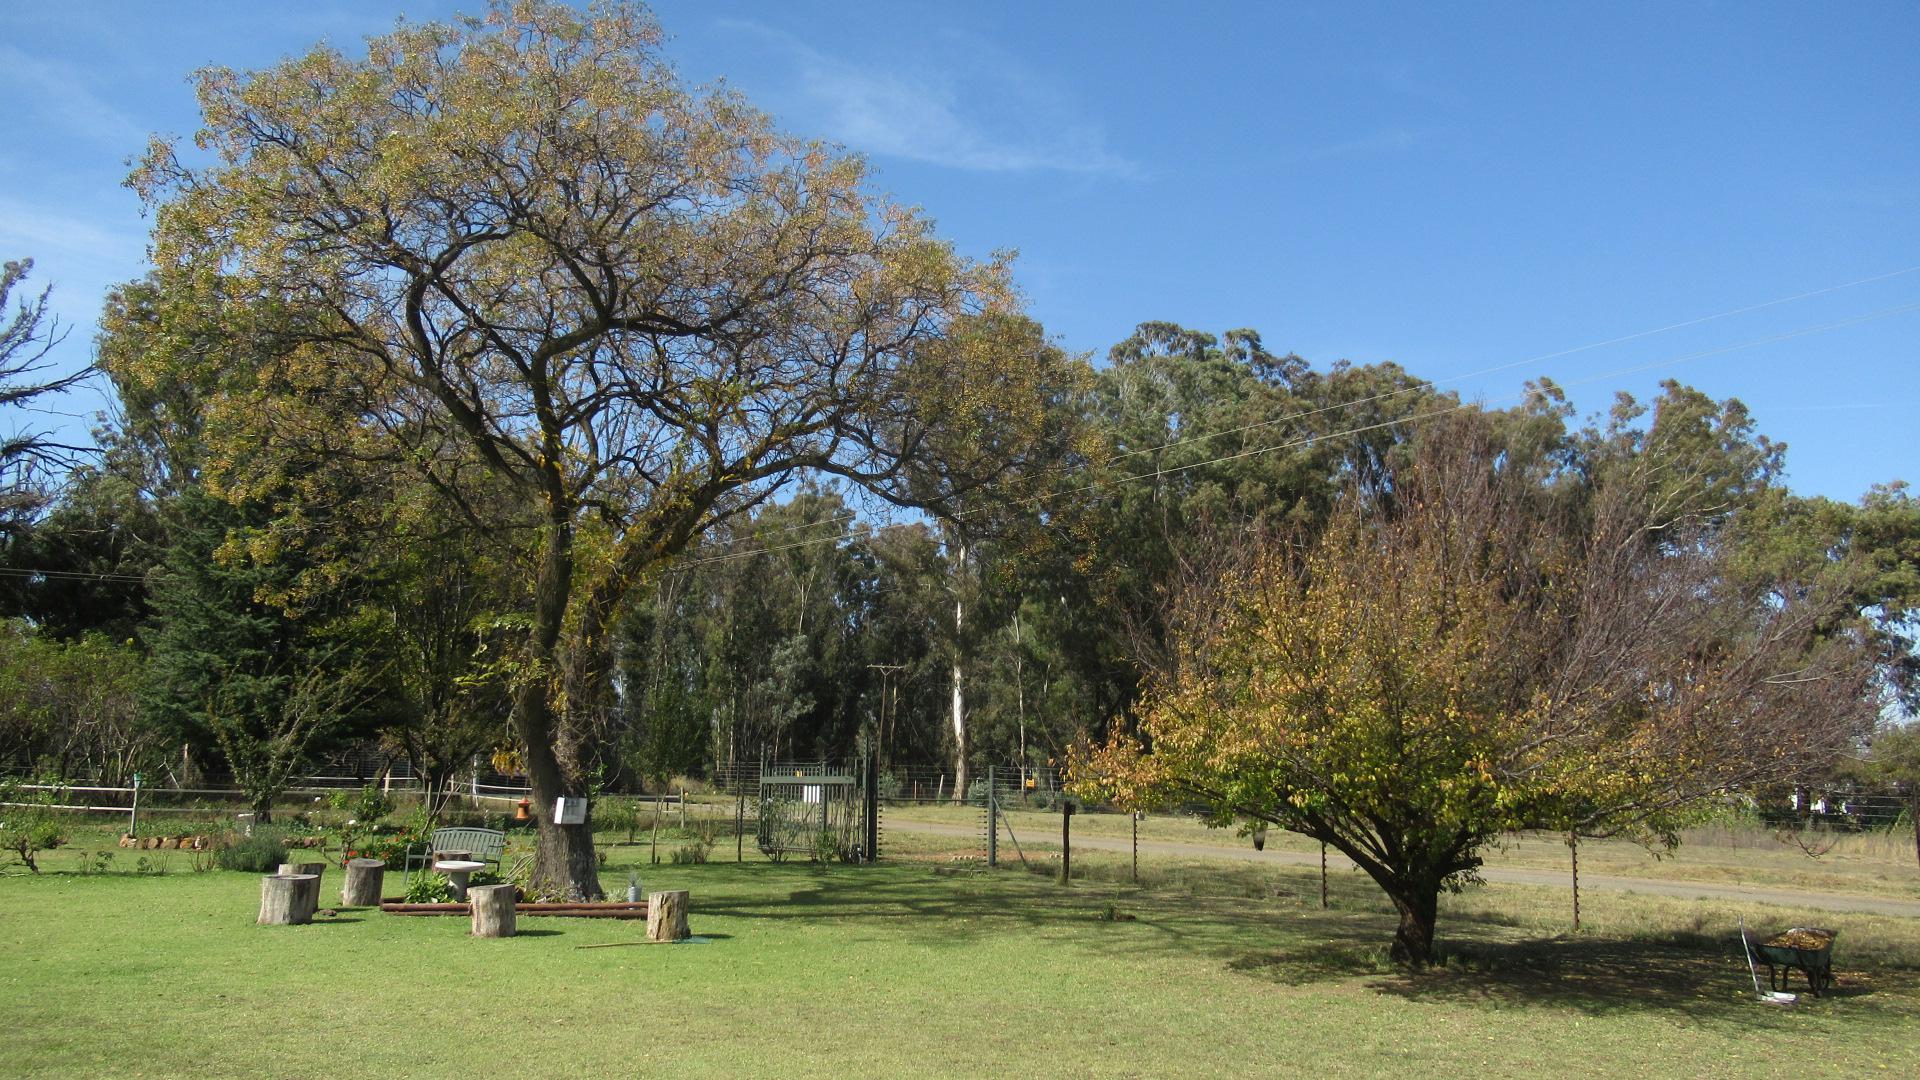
(1453,187)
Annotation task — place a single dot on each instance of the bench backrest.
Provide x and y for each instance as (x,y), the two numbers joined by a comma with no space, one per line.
(485,844)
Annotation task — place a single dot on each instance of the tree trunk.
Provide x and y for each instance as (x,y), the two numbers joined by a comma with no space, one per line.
(959,676)
(1419,905)
(564,863)
(433,779)
(288,899)
(1913,811)
(959,732)
(667,916)
(364,878)
(493,910)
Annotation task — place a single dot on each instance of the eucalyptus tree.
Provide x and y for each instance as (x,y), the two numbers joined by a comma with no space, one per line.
(518,245)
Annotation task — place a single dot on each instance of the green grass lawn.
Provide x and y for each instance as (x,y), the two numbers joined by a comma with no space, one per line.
(896,971)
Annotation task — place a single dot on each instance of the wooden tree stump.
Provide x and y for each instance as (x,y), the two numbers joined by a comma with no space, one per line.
(362,887)
(667,916)
(493,912)
(289,899)
(317,869)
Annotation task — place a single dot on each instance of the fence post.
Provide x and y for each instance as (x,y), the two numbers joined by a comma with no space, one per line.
(1573,846)
(873,804)
(1066,841)
(133,815)
(993,821)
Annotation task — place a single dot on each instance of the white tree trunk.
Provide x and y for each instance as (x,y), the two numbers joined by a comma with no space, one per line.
(959,674)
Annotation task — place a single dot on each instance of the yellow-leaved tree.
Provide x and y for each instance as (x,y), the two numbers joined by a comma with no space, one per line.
(1469,649)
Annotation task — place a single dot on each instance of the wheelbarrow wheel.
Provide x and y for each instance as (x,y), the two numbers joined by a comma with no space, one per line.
(1819,979)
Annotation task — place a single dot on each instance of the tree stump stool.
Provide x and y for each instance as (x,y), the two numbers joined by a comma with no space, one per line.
(289,899)
(364,878)
(493,911)
(317,869)
(667,916)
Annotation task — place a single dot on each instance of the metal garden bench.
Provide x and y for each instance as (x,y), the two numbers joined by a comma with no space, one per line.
(482,845)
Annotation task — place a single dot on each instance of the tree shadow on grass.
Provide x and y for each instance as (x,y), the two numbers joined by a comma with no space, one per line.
(1294,942)
(1703,980)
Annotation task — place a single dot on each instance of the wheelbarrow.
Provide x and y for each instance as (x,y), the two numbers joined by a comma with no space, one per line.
(1808,948)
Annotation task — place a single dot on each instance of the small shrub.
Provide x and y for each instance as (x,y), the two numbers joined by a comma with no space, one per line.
(261,853)
(27,832)
(619,815)
(695,852)
(388,843)
(826,846)
(364,807)
(430,889)
(773,815)
(706,830)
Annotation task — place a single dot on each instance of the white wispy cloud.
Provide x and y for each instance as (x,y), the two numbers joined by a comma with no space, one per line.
(58,96)
(986,113)
(101,255)
(1385,141)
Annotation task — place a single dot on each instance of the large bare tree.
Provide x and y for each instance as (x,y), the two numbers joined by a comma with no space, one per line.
(519,245)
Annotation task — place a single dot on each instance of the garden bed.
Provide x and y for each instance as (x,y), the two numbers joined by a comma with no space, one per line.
(575,910)
(167,843)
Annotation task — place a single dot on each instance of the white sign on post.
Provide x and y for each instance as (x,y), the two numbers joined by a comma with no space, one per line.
(569,810)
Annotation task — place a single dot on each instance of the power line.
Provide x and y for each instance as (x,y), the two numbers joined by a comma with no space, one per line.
(1435,383)
(1362,429)
(850,515)
(66,575)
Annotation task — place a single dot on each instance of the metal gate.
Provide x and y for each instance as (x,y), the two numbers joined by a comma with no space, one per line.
(818,810)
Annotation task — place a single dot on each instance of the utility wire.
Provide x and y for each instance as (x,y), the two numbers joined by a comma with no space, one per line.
(1430,384)
(67,575)
(1362,429)
(1435,383)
